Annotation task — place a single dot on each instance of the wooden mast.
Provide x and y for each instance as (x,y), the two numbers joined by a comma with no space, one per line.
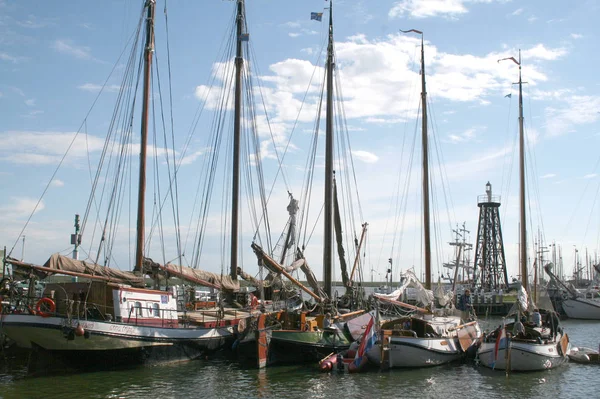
(522,182)
(328,211)
(149,50)
(426,221)
(425,150)
(522,225)
(239,63)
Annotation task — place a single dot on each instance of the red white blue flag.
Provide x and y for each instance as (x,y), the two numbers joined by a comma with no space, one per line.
(501,341)
(368,341)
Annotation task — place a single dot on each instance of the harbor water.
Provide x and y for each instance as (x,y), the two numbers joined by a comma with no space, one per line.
(220,378)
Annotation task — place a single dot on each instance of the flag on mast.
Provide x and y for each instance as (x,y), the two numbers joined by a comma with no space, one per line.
(317,16)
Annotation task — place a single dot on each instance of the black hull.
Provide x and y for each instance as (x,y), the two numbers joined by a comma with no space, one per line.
(292,352)
(48,362)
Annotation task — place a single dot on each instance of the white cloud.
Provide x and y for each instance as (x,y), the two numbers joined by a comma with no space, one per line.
(30,147)
(378,78)
(548,176)
(67,47)
(431,8)
(94,88)
(33,22)
(11,58)
(576,36)
(30,102)
(540,52)
(590,176)
(43,148)
(532,19)
(57,183)
(293,34)
(365,156)
(465,136)
(292,24)
(518,11)
(577,110)
(21,206)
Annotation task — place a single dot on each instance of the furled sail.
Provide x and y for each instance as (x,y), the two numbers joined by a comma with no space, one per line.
(197,276)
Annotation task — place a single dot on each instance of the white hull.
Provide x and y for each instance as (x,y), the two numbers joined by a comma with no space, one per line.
(48,333)
(581,308)
(524,356)
(417,352)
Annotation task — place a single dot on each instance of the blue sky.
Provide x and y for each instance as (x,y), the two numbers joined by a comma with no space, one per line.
(54,56)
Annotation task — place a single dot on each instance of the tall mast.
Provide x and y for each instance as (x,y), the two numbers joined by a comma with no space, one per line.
(149,50)
(426,219)
(328,225)
(522,225)
(522,183)
(427,238)
(239,63)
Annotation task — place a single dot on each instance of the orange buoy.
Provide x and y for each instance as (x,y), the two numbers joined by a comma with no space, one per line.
(49,307)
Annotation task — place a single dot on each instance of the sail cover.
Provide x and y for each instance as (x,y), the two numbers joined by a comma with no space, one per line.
(63,263)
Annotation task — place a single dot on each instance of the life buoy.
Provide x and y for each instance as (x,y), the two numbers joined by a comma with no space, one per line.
(48,307)
(254,301)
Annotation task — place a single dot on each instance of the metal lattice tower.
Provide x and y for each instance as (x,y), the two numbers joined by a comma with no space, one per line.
(490,262)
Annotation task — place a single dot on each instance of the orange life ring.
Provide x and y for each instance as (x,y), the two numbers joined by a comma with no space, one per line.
(49,307)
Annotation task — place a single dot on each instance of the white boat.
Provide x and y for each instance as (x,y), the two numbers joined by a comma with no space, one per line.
(582,308)
(532,347)
(584,355)
(577,305)
(422,337)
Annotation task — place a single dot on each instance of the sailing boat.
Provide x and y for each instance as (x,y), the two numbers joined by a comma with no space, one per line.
(578,305)
(114,319)
(532,346)
(422,337)
(309,336)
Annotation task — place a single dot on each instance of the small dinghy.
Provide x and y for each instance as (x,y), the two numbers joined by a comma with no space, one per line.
(584,355)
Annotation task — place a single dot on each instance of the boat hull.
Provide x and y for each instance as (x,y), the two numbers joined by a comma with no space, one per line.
(289,346)
(580,308)
(404,352)
(524,356)
(109,344)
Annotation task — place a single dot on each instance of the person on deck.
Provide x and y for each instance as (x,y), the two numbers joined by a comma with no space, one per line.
(465,306)
(327,320)
(518,327)
(536,318)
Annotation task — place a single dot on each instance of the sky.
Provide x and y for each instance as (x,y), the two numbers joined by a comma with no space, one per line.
(55,57)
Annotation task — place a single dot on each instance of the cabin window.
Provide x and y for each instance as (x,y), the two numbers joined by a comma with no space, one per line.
(155,310)
(138,309)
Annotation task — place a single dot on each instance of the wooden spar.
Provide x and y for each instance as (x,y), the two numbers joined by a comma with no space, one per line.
(405,305)
(463,325)
(426,221)
(189,278)
(149,50)
(351,314)
(235,185)
(267,259)
(362,237)
(328,205)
